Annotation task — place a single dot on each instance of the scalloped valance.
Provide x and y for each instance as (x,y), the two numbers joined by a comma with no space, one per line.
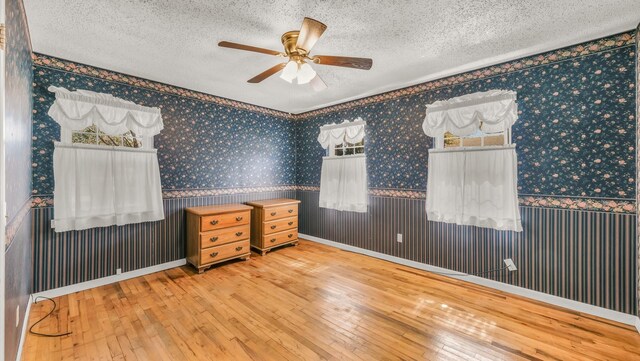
(333,134)
(494,110)
(77,110)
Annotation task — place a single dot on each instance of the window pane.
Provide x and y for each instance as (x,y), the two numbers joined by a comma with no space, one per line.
(131,142)
(114,141)
(472,142)
(83,138)
(494,140)
(452,142)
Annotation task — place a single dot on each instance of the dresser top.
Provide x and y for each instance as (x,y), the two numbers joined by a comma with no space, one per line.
(273,202)
(218,209)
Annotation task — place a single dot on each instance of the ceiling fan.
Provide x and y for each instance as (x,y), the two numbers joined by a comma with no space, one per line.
(297,46)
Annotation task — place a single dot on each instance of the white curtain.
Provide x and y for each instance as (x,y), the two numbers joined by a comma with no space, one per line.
(82,108)
(476,188)
(334,134)
(495,110)
(102,187)
(343,183)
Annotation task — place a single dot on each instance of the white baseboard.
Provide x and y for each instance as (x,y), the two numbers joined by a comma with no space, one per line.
(25,327)
(524,292)
(56,292)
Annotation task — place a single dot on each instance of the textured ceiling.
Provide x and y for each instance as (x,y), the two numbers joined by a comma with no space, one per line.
(174,41)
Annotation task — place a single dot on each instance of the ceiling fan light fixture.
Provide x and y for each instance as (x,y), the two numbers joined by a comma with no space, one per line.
(290,71)
(305,74)
(297,47)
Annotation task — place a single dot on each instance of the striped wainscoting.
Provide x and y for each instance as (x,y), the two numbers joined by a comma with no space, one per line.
(62,259)
(585,256)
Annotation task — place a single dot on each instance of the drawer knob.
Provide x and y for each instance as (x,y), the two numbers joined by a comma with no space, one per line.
(238,234)
(273,227)
(290,223)
(239,248)
(214,254)
(290,211)
(213,239)
(272,240)
(273,214)
(214,222)
(291,235)
(238,219)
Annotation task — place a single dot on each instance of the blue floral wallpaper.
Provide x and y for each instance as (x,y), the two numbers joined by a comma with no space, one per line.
(204,145)
(575,135)
(17,138)
(18,110)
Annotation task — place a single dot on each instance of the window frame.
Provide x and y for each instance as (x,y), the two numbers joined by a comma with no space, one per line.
(66,137)
(344,146)
(439,141)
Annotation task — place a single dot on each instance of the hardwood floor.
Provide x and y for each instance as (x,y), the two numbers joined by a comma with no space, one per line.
(315,302)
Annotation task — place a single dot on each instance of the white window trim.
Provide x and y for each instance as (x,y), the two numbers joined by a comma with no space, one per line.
(66,137)
(439,141)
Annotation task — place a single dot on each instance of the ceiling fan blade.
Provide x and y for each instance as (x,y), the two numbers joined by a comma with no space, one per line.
(267,73)
(310,32)
(318,84)
(345,61)
(227,44)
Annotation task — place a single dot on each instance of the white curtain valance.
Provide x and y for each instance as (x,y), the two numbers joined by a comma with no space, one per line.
(495,109)
(474,187)
(333,134)
(95,187)
(343,183)
(80,109)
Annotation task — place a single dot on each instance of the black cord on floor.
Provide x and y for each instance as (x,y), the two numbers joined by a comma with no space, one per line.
(471,274)
(42,319)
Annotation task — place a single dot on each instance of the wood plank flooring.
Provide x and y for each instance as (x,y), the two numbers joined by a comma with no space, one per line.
(315,302)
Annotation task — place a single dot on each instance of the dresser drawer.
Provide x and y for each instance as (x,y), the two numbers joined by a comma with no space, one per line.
(279,238)
(224,236)
(228,250)
(271,213)
(218,221)
(280,225)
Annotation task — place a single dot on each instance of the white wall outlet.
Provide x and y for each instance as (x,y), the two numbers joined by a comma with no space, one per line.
(118,271)
(510,265)
(399,238)
(17,315)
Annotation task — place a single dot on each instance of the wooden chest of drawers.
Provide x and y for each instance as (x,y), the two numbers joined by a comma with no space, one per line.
(274,223)
(217,233)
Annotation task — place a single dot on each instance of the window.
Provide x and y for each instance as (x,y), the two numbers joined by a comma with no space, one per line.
(476,139)
(105,168)
(343,177)
(94,136)
(472,177)
(346,148)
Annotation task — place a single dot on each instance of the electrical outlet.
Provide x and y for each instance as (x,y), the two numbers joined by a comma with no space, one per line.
(399,238)
(17,315)
(510,265)
(118,271)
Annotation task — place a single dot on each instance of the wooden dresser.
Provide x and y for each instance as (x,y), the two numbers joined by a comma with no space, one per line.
(217,233)
(274,222)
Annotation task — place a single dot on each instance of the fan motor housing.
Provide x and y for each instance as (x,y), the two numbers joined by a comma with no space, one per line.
(289,40)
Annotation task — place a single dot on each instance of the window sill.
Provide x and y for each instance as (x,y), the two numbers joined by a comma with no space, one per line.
(103,147)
